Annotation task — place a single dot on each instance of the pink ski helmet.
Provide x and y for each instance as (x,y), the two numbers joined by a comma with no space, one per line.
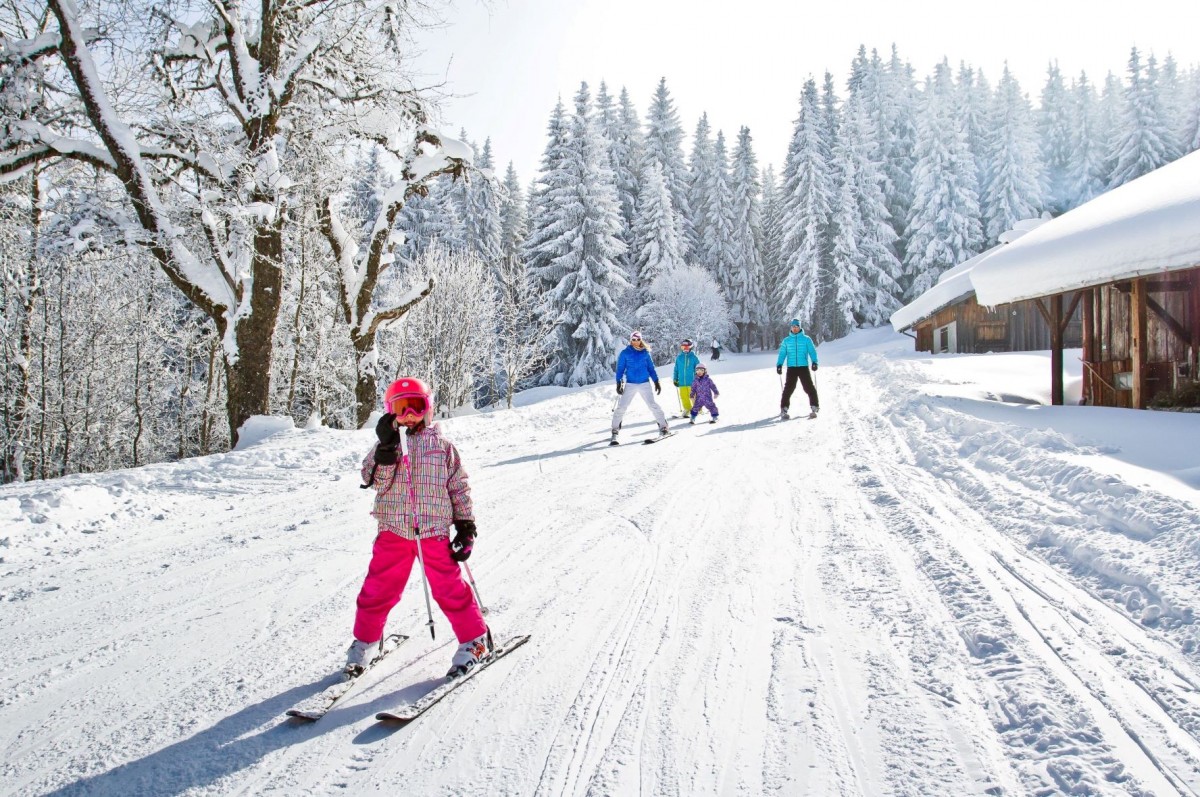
(408,397)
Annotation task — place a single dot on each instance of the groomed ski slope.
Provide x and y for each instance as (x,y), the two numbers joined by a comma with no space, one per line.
(936,588)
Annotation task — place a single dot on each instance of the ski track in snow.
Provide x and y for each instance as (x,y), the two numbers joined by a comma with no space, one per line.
(900,597)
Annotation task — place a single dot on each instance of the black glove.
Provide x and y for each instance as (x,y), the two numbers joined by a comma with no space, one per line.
(389,438)
(657,387)
(620,388)
(779,369)
(464,538)
(814,366)
(675,382)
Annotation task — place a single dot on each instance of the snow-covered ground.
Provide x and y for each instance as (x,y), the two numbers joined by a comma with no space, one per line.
(941,586)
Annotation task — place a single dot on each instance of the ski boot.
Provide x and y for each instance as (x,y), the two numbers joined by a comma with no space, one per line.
(359,657)
(469,654)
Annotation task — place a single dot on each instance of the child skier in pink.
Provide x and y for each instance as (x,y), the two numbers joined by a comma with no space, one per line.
(704,390)
(416,521)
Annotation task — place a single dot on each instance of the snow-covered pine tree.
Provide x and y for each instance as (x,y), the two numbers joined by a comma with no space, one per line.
(620,130)
(1190,138)
(371,181)
(700,199)
(550,191)
(1057,125)
(1013,190)
(896,124)
(514,225)
(426,220)
(1146,141)
(974,98)
(1110,112)
(575,251)
(1172,93)
(944,227)
(773,266)
(745,294)
(806,207)
(1085,177)
(846,288)
(716,249)
(874,237)
(664,146)
(626,153)
(656,242)
(481,222)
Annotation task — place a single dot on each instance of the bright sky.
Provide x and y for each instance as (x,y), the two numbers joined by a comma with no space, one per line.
(746,63)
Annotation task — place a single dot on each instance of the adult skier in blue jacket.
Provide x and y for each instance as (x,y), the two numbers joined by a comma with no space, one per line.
(635,373)
(797,351)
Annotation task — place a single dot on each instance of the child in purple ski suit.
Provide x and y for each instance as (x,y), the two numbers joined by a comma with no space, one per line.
(704,390)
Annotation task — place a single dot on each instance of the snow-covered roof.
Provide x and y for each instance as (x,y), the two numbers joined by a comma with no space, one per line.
(953,285)
(1147,226)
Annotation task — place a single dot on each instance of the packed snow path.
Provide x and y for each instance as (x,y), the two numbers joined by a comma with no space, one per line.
(912,594)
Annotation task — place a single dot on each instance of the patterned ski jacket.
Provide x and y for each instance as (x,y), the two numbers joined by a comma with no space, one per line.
(704,389)
(635,366)
(798,350)
(685,368)
(439,481)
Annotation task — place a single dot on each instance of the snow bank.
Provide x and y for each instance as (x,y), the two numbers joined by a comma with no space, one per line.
(259,427)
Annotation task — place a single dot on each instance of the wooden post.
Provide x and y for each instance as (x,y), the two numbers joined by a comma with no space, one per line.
(1137,322)
(1056,349)
(1089,343)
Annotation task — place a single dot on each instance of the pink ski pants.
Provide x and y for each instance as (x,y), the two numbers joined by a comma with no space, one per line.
(391,562)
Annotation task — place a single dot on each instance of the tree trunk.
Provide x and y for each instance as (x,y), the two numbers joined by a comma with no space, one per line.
(31,291)
(368,382)
(249,377)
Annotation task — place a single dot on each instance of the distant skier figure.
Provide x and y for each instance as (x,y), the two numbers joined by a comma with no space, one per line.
(704,390)
(797,350)
(635,373)
(716,350)
(415,512)
(685,369)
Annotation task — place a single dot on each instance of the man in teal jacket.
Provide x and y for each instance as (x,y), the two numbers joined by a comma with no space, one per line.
(797,351)
(685,371)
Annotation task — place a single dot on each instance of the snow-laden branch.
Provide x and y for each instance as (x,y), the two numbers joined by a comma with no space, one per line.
(381,319)
(202,285)
(202,162)
(51,145)
(15,50)
(430,155)
(247,77)
(283,85)
(345,253)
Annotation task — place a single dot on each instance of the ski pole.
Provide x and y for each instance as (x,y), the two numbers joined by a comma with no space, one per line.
(482,609)
(412,496)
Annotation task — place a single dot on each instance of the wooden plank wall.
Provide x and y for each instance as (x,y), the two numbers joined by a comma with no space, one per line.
(1171,352)
(1008,327)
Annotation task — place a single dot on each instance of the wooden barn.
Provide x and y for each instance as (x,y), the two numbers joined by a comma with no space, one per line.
(949,319)
(1129,261)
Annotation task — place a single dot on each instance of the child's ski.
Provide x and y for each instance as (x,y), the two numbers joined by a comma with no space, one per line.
(318,705)
(656,438)
(408,713)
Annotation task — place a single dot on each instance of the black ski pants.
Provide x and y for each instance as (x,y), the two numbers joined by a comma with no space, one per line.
(789,386)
